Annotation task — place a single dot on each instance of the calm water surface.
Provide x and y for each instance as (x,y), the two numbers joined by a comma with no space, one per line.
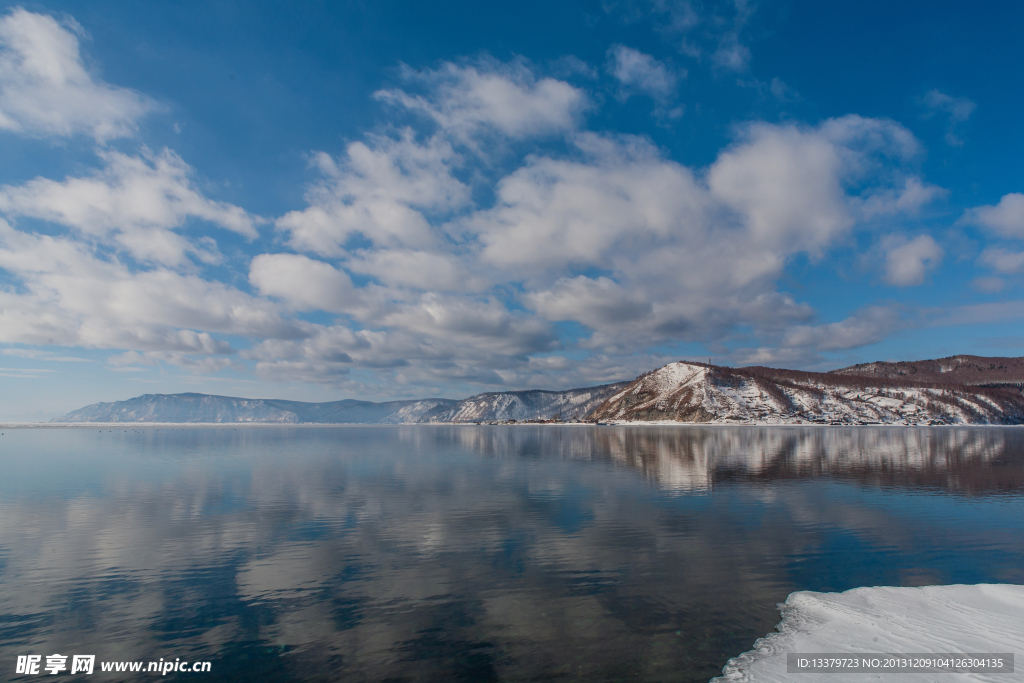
(477,553)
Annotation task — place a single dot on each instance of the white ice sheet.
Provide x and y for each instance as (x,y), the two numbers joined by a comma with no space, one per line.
(985,618)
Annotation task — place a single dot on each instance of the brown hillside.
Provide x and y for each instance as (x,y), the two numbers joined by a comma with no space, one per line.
(969,370)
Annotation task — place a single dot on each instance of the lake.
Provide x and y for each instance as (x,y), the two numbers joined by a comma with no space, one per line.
(476,553)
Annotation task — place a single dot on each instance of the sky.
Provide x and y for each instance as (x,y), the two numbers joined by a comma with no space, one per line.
(392,200)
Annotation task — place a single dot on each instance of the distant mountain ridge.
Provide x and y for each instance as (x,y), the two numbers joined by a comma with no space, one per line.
(206,408)
(963,369)
(193,407)
(954,390)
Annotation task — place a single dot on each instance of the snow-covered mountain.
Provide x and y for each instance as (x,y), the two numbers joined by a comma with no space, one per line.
(695,392)
(184,408)
(181,408)
(876,393)
(528,405)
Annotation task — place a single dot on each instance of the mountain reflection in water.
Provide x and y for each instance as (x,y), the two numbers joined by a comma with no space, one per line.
(478,553)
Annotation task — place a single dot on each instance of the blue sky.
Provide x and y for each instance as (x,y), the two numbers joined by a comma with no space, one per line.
(397,199)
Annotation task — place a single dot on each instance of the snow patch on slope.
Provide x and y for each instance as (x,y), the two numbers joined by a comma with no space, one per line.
(527,405)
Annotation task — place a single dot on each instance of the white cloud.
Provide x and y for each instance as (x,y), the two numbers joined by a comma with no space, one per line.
(424,270)
(465,100)
(868,326)
(781,91)
(870,139)
(480,324)
(677,16)
(958,109)
(324,357)
(305,284)
(40,354)
(786,184)
(979,314)
(552,213)
(68,296)
(436,342)
(129,360)
(909,199)
(639,72)
(794,186)
(1003,260)
(137,201)
(687,254)
(907,262)
(570,65)
(381,191)
(713,27)
(731,54)
(596,302)
(989,285)
(683,254)
(680,253)
(1005,218)
(46,90)
(444,266)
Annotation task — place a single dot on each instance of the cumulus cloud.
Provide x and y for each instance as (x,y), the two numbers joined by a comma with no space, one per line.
(639,72)
(72,297)
(137,201)
(425,270)
(489,97)
(908,199)
(595,302)
(1003,260)
(784,188)
(957,109)
(441,267)
(805,344)
(323,357)
(687,254)
(440,342)
(45,90)
(680,253)
(554,213)
(868,326)
(1005,219)
(304,283)
(786,184)
(482,324)
(380,190)
(793,184)
(907,262)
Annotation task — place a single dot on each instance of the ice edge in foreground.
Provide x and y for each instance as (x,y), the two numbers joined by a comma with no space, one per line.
(958,618)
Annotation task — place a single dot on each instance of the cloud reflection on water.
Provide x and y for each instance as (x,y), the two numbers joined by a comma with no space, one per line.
(480,553)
